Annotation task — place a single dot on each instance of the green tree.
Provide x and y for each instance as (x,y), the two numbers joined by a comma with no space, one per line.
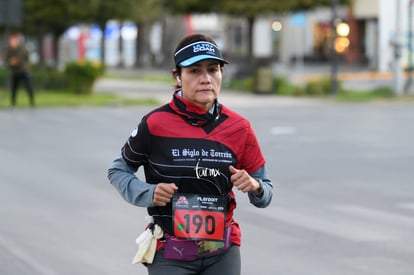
(144,13)
(54,16)
(104,10)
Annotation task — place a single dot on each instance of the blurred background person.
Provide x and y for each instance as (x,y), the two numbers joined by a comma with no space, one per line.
(17,58)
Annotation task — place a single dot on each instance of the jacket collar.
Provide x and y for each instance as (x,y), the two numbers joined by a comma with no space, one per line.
(192,113)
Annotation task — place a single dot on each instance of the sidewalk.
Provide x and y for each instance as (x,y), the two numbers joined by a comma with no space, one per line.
(295,72)
(359,78)
(352,77)
(164,91)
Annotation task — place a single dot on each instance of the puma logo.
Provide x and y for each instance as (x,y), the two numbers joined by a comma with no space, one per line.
(180,251)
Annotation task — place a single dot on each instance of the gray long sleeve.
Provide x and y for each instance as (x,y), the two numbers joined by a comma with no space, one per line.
(264,198)
(133,190)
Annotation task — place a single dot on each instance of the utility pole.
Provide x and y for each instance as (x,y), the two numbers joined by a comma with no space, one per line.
(397,45)
(334,55)
(409,80)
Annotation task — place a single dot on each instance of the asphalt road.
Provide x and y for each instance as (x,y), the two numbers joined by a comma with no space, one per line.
(343,203)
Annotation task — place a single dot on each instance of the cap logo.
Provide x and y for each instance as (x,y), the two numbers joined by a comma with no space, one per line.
(203,47)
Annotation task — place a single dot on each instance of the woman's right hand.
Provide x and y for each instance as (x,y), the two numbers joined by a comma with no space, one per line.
(163,193)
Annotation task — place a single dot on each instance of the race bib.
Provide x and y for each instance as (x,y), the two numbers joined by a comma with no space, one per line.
(199,217)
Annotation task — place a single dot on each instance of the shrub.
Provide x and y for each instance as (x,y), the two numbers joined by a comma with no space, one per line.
(321,87)
(365,95)
(245,84)
(49,79)
(82,74)
(42,79)
(283,87)
(3,77)
(383,91)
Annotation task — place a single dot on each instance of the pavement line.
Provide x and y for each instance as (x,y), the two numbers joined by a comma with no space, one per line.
(282,130)
(334,226)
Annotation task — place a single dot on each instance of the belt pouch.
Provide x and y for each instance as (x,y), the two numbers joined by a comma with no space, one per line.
(180,250)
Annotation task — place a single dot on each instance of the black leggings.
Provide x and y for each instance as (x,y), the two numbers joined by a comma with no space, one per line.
(16,79)
(228,263)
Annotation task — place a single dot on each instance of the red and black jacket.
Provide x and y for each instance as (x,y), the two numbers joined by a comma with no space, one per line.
(180,143)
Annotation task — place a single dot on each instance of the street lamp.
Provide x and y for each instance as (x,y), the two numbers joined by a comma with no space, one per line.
(343,29)
(342,41)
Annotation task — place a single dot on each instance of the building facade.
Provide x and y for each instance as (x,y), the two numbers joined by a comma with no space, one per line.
(375,27)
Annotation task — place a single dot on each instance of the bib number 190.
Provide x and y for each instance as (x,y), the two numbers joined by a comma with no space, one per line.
(199,217)
(198,221)
(194,224)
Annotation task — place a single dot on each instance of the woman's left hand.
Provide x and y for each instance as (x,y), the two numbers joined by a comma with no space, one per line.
(243,181)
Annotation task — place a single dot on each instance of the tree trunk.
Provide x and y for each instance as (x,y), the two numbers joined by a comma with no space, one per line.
(39,36)
(250,23)
(57,33)
(103,47)
(143,58)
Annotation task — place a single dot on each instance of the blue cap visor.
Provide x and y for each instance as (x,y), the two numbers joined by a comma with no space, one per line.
(197,52)
(192,60)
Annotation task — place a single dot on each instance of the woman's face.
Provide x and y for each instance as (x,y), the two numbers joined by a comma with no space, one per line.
(201,82)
